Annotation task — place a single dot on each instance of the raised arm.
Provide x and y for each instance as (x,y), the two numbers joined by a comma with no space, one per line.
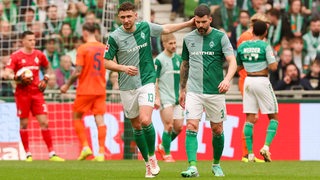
(170,28)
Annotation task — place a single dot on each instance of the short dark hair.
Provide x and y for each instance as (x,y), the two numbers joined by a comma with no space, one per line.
(90,27)
(127,6)
(274,12)
(202,10)
(26,33)
(259,28)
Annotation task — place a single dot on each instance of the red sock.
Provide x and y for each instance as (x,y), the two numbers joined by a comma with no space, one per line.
(25,139)
(102,131)
(47,138)
(80,130)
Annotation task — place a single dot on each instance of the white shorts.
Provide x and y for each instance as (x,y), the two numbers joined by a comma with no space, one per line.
(213,104)
(133,99)
(178,112)
(258,93)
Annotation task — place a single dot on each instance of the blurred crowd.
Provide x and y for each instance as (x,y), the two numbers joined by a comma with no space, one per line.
(294,32)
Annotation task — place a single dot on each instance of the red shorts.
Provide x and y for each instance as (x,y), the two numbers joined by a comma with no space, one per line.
(96,104)
(27,101)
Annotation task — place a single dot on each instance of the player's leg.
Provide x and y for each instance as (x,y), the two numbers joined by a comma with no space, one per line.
(81,105)
(23,104)
(146,100)
(167,120)
(216,113)
(265,102)
(194,110)
(178,117)
(248,133)
(99,109)
(130,104)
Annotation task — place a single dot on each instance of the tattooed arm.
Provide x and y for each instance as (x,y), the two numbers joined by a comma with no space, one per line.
(184,73)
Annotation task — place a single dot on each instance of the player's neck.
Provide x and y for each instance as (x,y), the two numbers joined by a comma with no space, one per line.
(167,53)
(26,50)
(91,38)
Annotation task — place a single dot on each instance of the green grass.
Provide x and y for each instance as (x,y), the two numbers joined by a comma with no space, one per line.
(135,169)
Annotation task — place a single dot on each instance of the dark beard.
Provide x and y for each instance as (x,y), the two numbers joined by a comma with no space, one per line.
(316,34)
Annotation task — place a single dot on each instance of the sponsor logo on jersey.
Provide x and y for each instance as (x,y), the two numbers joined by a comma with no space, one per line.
(137,47)
(210,53)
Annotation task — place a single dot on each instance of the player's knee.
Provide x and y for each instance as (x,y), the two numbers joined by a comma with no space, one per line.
(273,116)
(178,129)
(192,127)
(217,129)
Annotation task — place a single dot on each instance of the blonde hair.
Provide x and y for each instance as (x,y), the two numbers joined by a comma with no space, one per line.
(259,17)
(167,37)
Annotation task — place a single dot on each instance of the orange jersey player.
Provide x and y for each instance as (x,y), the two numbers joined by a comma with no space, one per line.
(91,90)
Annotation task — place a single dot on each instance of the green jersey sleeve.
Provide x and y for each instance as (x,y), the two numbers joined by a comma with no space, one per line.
(111,48)
(158,67)
(155,29)
(185,52)
(270,55)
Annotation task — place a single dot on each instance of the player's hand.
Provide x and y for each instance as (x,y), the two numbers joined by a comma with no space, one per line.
(182,98)
(157,103)
(131,70)
(64,88)
(23,79)
(43,83)
(224,86)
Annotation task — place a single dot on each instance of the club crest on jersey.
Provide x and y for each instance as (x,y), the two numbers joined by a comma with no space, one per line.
(143,36)
(36,60)
(211,44)
(107,48)
(192,44)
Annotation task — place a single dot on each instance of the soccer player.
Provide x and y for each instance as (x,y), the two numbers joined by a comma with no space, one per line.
(256,56)
(204,51)
(91,90)
(130,44)
(167,94)
(248,35)
(29,94)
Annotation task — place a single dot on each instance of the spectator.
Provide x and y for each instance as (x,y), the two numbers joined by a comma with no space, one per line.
(299,56)
(64,71)
(294,23)
(6,88)
(275,29)
(41,10)
(26,23)
(285,59)
(213,4)
(175,4)
(66,37)
(38,29)
(112,84)
(10,13)
(306,7)
(312,38)
(255,6)
(281,5)
(226,16)
(52,24)
(6,35)
(291,79)
(74,19)
(51,52)
(76,42)
(312,80)
(244,23)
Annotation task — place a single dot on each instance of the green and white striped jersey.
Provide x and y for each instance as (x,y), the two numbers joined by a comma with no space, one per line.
(168,74)
(206,55)
(134,49)
(255,55)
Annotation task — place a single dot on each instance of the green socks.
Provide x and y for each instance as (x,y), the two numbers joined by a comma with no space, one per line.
(271,132)
(191,147)
(141,143)
(173,135)
(166,141)
(150,136)
(248,131)
(218,145)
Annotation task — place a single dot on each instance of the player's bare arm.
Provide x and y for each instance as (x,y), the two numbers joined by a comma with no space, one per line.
(74,76)
(170,28)
(8,74)
(130,70)
(225,84)
(157,101)
(184,73)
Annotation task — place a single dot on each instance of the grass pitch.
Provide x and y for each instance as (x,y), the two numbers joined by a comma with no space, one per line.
(135,169)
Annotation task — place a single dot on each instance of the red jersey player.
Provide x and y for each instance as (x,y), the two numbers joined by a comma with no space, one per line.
(28,94)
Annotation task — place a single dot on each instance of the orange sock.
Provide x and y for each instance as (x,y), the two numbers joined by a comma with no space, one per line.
(80,130)
(102,131)
(244,145)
